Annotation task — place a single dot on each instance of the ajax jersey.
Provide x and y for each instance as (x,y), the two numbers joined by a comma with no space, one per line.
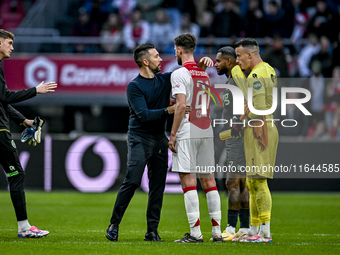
(194,83)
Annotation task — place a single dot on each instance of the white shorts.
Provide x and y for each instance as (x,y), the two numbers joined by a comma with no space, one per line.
(195,155)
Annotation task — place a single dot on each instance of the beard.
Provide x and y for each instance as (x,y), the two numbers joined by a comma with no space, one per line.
(179,61)
(222,71)
(156,69)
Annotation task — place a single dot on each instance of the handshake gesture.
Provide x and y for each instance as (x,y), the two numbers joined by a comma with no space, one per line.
(32,135)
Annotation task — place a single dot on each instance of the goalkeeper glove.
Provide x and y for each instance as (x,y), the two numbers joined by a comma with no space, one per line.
(33,135)
(236,128)
(38,123)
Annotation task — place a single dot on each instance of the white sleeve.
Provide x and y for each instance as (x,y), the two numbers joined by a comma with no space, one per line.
(179,81)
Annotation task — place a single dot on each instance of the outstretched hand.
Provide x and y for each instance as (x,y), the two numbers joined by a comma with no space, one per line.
(205,62)
(44,88)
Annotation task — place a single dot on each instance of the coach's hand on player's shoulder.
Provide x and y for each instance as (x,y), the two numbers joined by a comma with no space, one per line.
(205,62)
(172,142)
(44,88)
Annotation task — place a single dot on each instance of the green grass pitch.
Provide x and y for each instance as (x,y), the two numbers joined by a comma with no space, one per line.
(302,223)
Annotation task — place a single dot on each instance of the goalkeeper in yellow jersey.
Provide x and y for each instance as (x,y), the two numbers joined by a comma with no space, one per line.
(260,139)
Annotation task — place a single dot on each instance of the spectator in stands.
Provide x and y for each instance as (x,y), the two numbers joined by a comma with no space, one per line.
(162,32)
(322,23)
(228,22)
(312,48)
(276,56)
(206,32)
(124,8)
(11,13)
(325,57)
(316,85)
(84,27)
(336,51)
(275,20)
(137,31)
(254,19)
(300,21)
(98,11)
(149,7)
(294,113)
(172,8)
(111,34)
(332,106)
(187,26)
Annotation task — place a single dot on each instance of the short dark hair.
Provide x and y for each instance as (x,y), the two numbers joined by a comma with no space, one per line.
(5,34)
(249,43)
(246,42)
(228,51)
(141,51)
(187,42)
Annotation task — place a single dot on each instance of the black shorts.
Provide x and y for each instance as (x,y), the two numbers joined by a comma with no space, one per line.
(236,160)
(9,158)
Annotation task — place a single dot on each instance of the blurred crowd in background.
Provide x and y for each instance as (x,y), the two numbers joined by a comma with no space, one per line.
(299,38)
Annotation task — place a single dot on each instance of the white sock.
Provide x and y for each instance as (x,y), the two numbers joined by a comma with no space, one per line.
(245,230)
(23,225)
(265,230)
(230,229)
(253,230)
(193,213)
(214,207)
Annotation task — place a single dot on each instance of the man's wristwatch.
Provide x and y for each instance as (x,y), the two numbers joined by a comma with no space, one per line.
(166,110)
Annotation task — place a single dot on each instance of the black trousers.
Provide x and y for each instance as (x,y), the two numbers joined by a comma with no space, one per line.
(142,151)
(10,162)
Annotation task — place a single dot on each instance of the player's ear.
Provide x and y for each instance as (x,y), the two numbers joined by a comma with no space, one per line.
(145,62)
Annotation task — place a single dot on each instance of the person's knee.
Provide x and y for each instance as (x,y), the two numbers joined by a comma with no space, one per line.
(16,182)
(208,182)
(245,199)
(232,183)
(259,184)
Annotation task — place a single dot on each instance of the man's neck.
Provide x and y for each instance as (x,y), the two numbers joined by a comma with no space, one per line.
(255,62)
(146,73)
(187,58)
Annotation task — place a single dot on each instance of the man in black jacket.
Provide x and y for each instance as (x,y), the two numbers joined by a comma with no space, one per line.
(9,158)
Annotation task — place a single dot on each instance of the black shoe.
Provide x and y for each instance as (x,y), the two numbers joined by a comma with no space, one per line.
(218,239)
(153,236)
(190,239)
(112,232)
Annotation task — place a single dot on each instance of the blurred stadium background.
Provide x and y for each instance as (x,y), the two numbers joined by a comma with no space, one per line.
(86,47)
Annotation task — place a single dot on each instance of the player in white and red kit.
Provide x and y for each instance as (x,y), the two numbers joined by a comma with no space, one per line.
(191,139)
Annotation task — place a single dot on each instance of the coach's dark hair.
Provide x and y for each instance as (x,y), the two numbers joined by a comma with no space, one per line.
(5,34)
(187,42)
(228,51)
(140,52)
(249,43)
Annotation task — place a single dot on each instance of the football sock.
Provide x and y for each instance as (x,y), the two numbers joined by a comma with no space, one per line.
(244,230)
(232,221)
(254,216)
(23,225)
(192,208)
(253,230)
(244,215)
(230,229)
(214,207)
(265,230)
(263,199)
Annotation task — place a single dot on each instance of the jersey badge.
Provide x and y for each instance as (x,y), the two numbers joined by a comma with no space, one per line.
(257,85)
